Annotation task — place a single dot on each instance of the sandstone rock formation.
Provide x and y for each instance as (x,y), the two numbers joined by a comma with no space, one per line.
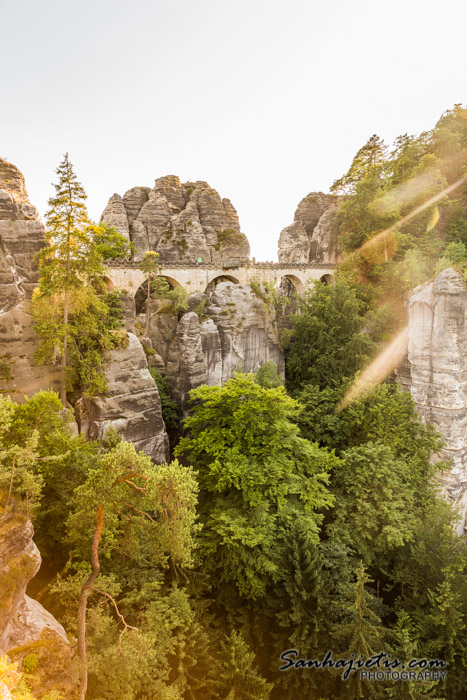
(132,405)
(313,235)
(181,221)
(436,372)
(228,329)
(21,237)
(19,563)
(247,332)
(25,626)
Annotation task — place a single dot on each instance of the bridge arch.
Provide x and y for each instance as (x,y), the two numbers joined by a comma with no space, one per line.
(327,279)
(109,285)
(289,281)
(217,279)
(141,293)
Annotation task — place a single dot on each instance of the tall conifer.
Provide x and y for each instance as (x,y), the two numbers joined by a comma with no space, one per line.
(64,261)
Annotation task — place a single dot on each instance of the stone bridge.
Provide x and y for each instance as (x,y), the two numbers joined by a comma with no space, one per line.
(196,277)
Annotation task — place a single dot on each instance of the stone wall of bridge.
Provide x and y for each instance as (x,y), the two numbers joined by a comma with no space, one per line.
(196,278)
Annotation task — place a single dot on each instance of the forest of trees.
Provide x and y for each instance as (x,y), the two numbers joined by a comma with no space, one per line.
(283,522)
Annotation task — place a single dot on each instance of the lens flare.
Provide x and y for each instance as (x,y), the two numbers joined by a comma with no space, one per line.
(405,193)
(380,248)
(378,370)
(429,203)
(434,218)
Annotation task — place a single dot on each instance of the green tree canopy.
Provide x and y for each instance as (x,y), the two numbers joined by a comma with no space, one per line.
(257,476)
(328,340)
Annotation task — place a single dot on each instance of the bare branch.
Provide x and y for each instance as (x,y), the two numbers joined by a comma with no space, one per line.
(125,623)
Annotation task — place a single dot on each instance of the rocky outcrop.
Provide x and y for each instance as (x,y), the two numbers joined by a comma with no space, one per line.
(132,405)
(313,235)
(181,221)
(247,332)
(19,563)
(25,626)
(28,624)
(21,237)
(229,329)
(186,367)
(437,368)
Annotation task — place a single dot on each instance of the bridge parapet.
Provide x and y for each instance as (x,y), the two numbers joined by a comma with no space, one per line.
(131,264)
(196,277)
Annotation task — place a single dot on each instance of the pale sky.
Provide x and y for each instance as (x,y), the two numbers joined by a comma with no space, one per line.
(266,100)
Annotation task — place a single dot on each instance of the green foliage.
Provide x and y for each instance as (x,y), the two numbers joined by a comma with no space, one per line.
(150,263)
(238,679)
(456,252)
(329,341)
(374,501)
(17,475)
(175,301)
(369,158)
(74,315)
(360,630)
(143,506)
(49,465)
(30,663)
(268,377)
(383,188)
(111,245)
(6,366)
(457,227)
(260,476)
(228,238)
(170,412)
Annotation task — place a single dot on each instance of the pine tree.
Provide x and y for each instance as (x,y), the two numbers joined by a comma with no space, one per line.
(446,628)
(238,678)
(405,647)
(361,631)
(73,313)
(67,220)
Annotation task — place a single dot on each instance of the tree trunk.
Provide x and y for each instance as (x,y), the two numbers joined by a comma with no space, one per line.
(148,311)
(82,605)
(64,353)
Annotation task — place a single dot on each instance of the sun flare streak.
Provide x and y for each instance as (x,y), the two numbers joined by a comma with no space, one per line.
(382,235)
(378,370)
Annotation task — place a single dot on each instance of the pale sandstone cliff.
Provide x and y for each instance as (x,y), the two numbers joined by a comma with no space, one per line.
(21,238)
(313,235)
(181,221)
(436,369)
(234,331)
(131,405)
(25,625)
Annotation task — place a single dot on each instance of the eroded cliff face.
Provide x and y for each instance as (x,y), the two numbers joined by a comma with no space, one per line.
(25,625)
(229,328)
(313,235)
(180,221)
(21,237)
(131,405)
(436,371)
